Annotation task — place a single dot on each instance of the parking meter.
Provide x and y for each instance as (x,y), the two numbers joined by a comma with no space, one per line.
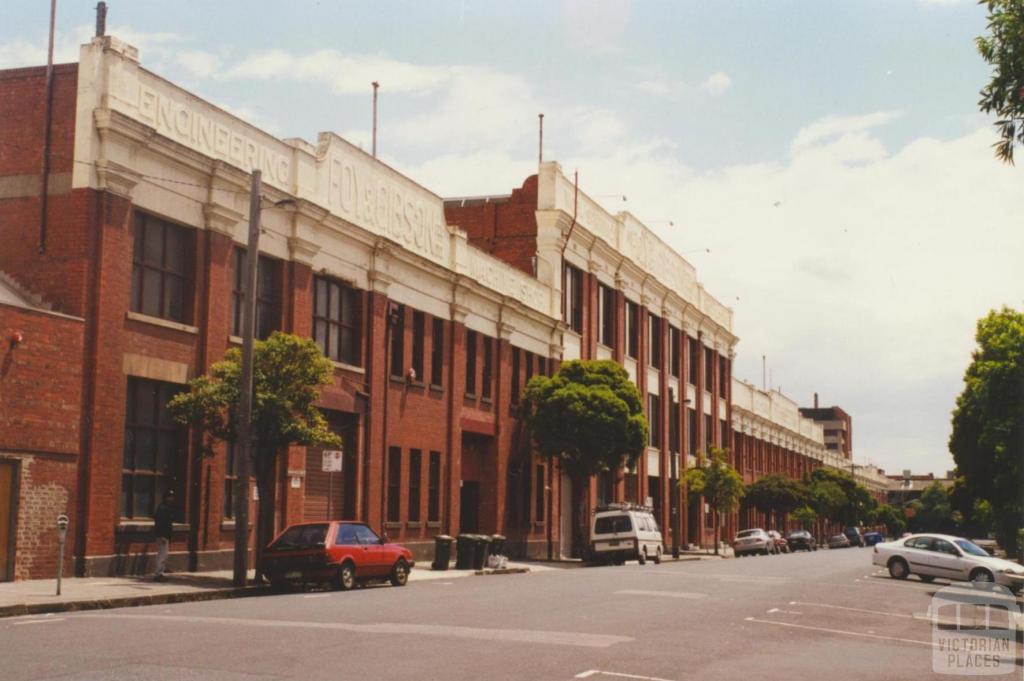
(62,533)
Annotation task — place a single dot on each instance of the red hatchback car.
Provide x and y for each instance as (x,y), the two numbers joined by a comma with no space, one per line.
(337,552)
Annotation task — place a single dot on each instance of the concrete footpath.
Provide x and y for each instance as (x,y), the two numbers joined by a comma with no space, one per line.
(39,596)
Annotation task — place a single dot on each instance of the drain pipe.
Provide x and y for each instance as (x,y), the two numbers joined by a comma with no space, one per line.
(47,119)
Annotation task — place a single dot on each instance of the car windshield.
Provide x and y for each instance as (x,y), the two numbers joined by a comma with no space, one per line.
(611,524)
(748,533)
(971,548)
(302,537)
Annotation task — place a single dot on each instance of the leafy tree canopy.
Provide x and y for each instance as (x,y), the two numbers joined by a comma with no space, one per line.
(852,505)
(891,517)
(1003,49)
(776,494)
(716,481)
(589,415)
(987,442)
(806,516)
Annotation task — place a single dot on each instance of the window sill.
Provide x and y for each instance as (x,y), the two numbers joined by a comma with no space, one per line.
(436,388)
(165,323)
(348,367)
(539,523)
(414,524)
(392,525)
(146,526)
(434,524)
(230,525)
(486,400)
(469,396)
(237,340)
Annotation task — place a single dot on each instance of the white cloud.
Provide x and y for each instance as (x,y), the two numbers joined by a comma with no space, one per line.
(838,126)
(21,52)
(199,63)
(717,83)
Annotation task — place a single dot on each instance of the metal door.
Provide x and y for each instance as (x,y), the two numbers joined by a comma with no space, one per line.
(8,517)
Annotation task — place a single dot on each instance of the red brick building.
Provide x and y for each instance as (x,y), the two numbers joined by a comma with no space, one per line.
(435,313)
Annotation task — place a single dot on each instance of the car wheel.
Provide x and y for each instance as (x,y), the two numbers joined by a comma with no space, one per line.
(926,578)
(278,584)
(642,558)
(898,568)
(657,557)
(347,576)
(400,573)
(982,575)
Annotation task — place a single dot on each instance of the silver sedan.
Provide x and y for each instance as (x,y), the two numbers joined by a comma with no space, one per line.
(941,555)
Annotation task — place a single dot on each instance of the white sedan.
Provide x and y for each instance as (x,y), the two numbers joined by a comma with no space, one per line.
(940,555)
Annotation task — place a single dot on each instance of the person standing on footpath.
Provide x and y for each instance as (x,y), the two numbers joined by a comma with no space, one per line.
(163,526)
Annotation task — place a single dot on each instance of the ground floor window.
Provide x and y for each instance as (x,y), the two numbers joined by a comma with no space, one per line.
(154,449)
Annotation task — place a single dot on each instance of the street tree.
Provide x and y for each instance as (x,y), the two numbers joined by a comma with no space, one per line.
(288,372)
(718,483)
(827,499)
(776,495)
(806,516)
(851,507)
(1003,49)
(589,417)
(987,442)
(933,511)
(891,517)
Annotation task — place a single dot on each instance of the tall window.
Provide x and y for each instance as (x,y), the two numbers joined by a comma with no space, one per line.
(161,265)
(527,489)
(631,483)
(434,487)
(394,484)
(632,329)
(488,368)
(691,431)
(693,361)
(674,351)
(529,366)
(437,353)
(606,310)
(538,512)
(336,320)
(516,386)
(398,342)
(266,294)
(654,420)
(709,432)
(230,477)
(654,341)
(709,368)
(673,426)
(419,328)
(415,471)
(723,376)
(471,344)
(572,298)
(154,448)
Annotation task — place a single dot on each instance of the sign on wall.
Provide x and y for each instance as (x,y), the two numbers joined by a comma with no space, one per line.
(332,461)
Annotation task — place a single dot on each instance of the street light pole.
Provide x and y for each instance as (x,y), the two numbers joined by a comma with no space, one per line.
(243,428)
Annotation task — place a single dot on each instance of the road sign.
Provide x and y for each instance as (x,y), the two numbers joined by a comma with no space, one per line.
(332,461)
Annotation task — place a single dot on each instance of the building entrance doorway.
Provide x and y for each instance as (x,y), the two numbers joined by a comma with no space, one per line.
(8,517)
(469,506)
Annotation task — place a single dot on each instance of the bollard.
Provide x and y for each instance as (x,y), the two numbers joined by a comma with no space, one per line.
(62,532)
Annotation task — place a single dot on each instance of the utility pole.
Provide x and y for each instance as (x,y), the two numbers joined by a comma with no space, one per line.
(243,444)
(44,175)
(540,141)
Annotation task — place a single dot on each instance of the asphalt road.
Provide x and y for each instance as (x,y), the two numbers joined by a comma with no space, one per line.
(823,615)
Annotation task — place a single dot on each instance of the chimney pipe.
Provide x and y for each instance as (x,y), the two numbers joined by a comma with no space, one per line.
(101,19)
(376,86)
(540,142)
(815,400)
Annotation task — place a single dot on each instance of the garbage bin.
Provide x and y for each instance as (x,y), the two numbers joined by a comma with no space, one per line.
(442,552)
(497,545)
(482,550)
(465,547)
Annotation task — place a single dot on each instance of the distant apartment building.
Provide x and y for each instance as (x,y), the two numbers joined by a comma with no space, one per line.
(837,426)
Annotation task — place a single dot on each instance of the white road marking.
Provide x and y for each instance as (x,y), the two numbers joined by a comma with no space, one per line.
(785,612)
(592,672)
(49,619)
(843,607)
(557,638)
(316,595)
(660,594)
(842,632)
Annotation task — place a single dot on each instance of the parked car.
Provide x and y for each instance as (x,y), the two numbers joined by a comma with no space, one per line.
(941,555)
(781,546)
(752,541)
(853,534)
(621,532)
(801,540)
(339,553)
(872,538)
(838,541)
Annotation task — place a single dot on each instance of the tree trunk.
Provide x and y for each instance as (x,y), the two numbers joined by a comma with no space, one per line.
(717,520)
(266,484)
(580,491)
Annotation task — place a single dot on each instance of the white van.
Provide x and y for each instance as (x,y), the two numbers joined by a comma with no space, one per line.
(621,532)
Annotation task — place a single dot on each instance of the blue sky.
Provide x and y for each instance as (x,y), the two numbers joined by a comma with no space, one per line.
(830,154)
